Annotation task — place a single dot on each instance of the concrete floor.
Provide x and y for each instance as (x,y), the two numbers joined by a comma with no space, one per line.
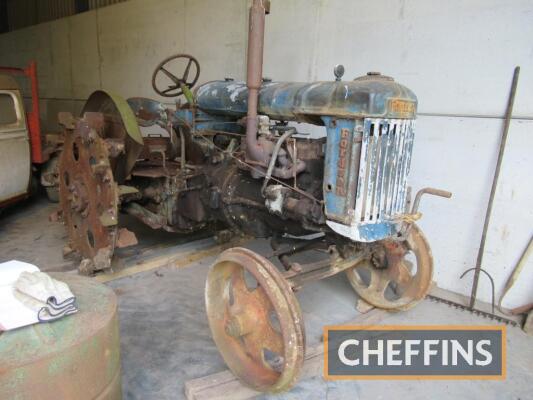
(166,339)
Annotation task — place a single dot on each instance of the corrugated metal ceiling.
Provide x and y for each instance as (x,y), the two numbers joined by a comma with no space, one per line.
(23,13)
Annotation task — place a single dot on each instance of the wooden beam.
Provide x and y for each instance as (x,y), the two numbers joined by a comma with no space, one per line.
(225,386)
(178,259)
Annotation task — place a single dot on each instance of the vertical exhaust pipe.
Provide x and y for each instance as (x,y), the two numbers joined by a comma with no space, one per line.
(256,39)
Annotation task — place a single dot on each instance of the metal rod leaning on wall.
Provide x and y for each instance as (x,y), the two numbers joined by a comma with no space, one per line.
(488,213)
(516,272)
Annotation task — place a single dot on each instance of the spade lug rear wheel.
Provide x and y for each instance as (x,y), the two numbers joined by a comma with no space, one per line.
(88,195)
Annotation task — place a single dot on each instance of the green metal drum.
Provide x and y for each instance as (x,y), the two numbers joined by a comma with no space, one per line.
(77,357)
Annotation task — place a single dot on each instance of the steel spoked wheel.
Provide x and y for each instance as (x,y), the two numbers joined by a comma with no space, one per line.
(88,195)
(399,274)
(255,320)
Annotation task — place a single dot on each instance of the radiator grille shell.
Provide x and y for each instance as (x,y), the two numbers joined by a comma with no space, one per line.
(381,189)
(386,150)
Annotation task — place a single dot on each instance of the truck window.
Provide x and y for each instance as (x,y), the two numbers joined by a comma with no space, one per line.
(8,111)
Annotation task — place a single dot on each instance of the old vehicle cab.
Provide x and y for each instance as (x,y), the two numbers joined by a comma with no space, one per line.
(26,154)
(15,153)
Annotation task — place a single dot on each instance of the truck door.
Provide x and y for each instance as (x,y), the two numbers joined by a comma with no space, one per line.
(15,156)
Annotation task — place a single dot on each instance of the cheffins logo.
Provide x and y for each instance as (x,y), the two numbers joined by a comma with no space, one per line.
(414,352)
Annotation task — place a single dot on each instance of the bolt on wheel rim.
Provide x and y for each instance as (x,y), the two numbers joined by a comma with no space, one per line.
(401,279)
(255,320)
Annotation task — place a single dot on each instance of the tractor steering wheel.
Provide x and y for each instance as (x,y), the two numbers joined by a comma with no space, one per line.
(175,88)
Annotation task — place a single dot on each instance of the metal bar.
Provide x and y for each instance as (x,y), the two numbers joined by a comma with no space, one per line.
(394,168)
(491,283)
(398,168)
(385,170)
(301,245)
(481,313)
(508,114)
(390,171)
(407,203)
(401,163)
(516,272)
(323,269)
(34,121)
(371,167)
(309,268)
(371,195)
(405,166)
(428,190)
(361,182)
(380,169)
(483,116)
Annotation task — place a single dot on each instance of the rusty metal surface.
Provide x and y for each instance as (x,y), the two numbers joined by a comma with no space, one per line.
(155,144)
(349,189)
(389,279)
(153,172)
(88,194)
(322,269)
(255,320)
(148,111)
(243,207)
(77,357)
(119,123)
(255,151)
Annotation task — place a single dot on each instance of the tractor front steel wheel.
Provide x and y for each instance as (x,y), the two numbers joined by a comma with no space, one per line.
(255,320)
(398,275)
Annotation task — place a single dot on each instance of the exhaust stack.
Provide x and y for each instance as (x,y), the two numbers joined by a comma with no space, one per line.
(256,39)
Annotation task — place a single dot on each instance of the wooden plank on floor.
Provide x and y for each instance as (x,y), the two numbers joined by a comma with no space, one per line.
(224,386)
(180,258)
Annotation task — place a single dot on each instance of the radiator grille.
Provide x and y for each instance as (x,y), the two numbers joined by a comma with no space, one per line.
(385,159)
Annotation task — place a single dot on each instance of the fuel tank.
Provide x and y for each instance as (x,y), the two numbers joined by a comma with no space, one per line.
(76,357)
(373,95)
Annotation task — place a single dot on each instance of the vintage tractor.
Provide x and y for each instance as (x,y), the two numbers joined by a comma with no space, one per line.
(228,160)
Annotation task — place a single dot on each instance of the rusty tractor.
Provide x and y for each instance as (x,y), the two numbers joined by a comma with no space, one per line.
(231,159)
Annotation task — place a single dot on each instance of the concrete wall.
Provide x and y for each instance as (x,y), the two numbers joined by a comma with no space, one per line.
(458,56)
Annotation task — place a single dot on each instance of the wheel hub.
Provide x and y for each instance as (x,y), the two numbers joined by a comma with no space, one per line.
(398,274)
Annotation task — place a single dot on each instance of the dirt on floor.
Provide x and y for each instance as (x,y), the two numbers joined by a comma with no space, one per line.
(165,338)
(26,234)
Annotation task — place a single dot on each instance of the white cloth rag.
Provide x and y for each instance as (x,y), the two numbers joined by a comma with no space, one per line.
(50,298)
(44,288)
(28,296)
